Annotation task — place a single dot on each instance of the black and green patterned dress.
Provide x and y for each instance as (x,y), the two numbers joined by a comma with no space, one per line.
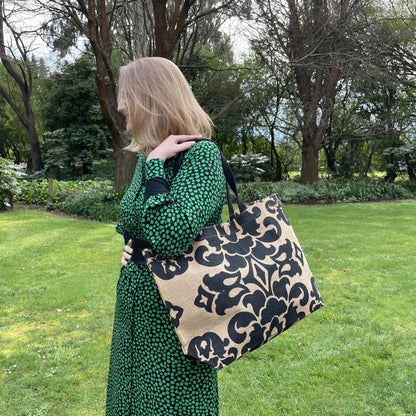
(149,375)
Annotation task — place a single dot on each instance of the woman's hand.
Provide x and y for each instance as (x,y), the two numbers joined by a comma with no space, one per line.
(128,251)
(171,146)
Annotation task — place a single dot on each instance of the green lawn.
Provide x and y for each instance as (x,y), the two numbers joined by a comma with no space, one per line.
(356,356)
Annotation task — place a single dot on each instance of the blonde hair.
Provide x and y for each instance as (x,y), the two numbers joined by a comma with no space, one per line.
(159,102)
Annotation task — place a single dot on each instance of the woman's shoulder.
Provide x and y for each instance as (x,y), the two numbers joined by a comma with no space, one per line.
(203,148)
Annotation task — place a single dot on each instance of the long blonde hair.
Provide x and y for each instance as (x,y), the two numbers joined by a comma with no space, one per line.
(159,103)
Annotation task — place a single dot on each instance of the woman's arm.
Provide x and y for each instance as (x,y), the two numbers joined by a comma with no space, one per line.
(172,218)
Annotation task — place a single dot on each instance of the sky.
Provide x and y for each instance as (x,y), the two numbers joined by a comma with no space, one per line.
(237,30)
(239,33)
(29,22)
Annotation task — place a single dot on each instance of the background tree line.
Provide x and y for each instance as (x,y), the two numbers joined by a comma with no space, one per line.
(325,85)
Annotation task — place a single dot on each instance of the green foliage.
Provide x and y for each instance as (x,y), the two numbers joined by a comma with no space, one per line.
(409,185)
(93,199)
(72,96)
(10,173)
(34,192)
(76,135)
(401,159)
(75,151)
(250,167)
(326,191)
(99,201)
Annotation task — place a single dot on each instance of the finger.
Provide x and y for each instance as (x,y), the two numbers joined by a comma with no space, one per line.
(178,139)
(128,249)
(125,259)
(186,137)
(185,146)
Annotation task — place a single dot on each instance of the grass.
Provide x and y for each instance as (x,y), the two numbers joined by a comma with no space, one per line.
(57,283)
(356,356)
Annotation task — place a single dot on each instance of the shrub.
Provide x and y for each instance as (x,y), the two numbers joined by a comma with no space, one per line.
(9,175)
(327,191)
(94,199)
(100,202)
(409,185)
(37,192)
(251,167)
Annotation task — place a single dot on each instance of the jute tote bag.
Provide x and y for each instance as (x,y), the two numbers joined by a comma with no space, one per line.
(238,285)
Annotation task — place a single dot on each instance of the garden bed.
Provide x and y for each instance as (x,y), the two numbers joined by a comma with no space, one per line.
(98,200)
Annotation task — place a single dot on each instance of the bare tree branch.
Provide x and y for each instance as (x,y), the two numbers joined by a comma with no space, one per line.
(23,79)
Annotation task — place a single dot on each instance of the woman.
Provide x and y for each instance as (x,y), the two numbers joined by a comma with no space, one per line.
(149,375)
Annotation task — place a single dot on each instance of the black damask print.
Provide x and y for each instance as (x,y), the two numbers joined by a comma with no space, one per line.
(205,256)
(220,292)
(213,349)
(171,268)
(251,271)
(175,313)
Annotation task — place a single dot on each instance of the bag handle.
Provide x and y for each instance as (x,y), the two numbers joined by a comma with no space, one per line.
(229,176)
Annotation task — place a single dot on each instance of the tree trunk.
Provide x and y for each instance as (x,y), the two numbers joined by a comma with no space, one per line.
(310,164)
(315,54)
(169,26)
(364,172)
(100,39)
(124,165)
(410,165)
(330,147)
(37,161)
(411,172)
(278,162)
(124,162)
(330,153)
(27,119)
(391,175)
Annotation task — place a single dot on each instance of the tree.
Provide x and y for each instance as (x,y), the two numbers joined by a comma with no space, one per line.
(77,137)
(395,104)
(266,106)
(13,140)
(309,37)
(375,103)
(161,22)
(20,69)
(170,29)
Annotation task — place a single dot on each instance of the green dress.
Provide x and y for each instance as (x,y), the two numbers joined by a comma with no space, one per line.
(149,375)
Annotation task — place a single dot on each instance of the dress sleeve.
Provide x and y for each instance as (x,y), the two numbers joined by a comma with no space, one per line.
(172,218)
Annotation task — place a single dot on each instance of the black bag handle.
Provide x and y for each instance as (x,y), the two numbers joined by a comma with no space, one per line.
(229,176)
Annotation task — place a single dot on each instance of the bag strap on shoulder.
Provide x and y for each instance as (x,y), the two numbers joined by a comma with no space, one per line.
(229,176)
